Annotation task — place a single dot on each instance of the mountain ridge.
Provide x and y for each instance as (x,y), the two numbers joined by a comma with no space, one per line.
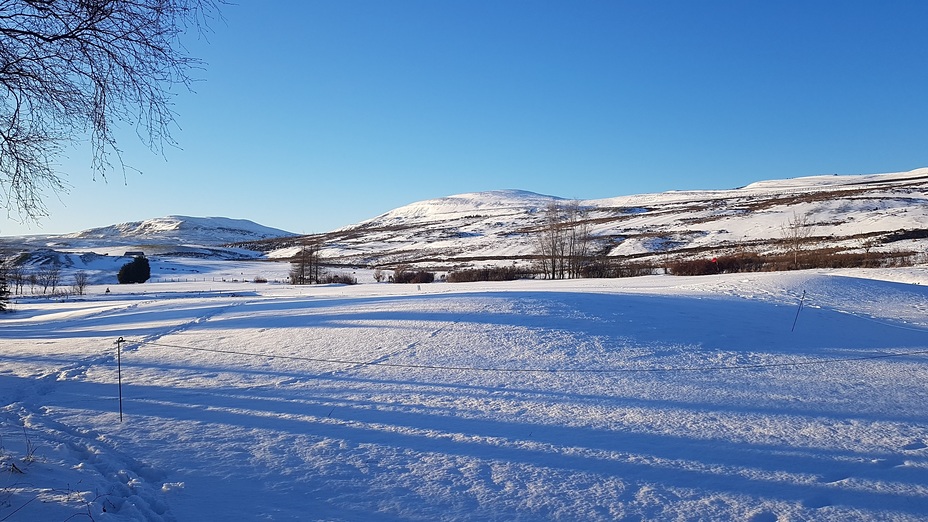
(847,212)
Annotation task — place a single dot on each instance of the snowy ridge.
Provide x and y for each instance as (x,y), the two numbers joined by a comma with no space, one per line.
(847,214)
(500,226)
(497,202)
(184,229)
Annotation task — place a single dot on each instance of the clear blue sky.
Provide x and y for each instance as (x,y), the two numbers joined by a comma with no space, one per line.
(313,115)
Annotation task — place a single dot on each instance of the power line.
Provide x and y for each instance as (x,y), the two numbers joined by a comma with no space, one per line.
(666,369)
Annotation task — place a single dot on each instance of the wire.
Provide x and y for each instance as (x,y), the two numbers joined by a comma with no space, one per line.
(666,369)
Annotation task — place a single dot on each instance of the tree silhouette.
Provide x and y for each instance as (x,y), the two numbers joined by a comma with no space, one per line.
(73,71)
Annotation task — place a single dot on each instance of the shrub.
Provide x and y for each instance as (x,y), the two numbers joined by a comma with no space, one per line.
(342,279)
(404,275)
(506,273)
(610,268)
(136,271)
(823,258)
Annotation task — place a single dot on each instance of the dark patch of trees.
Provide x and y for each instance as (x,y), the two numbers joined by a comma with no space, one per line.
(752,262)
(306,265)
(4,292)
(495,273)
(403,274)
(136,271)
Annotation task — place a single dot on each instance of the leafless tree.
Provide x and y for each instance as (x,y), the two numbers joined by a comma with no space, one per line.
(81,280)
(49,276)
(306,265)
(563,240)
(4,292)
(73,70)
(16,276)
(796,231)
(578,238)
(551,242)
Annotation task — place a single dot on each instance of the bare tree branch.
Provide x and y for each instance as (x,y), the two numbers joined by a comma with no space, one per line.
(79,69)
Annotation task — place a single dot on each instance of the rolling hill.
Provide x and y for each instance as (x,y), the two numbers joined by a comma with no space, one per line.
(846,213)
(857,213)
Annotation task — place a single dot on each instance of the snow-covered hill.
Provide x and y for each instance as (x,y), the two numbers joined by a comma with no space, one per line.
(183,236)
(183,230)
(848,213)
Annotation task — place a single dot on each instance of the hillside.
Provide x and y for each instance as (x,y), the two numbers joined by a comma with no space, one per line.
(878,213)
(170,236)
(847,213)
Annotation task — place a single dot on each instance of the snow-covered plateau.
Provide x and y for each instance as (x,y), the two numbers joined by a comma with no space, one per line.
(761,397)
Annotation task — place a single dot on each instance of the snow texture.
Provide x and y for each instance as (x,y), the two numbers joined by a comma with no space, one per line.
(654,398)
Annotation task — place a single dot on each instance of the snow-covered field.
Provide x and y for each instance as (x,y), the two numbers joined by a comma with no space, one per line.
(655,398)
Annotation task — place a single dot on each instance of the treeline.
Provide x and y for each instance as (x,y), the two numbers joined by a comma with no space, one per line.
(728,264)
(752,262)
(471,275)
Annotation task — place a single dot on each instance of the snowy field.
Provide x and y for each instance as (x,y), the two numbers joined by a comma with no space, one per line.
(655,398)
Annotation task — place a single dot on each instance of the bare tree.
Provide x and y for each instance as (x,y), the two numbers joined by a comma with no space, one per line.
(17,278)
(48,277)
(72,70)
(796,231)
(4,289)
(81,280)
(563,240)
(577,237)
(306,265)
(550,242)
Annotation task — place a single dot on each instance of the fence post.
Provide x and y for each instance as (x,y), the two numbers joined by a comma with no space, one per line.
(119,372)
(801,300)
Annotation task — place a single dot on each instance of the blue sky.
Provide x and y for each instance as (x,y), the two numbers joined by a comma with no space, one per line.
(314,115)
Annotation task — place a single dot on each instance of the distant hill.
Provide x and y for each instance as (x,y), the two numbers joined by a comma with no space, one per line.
(864,213)
(847,214)
(182,230)
(171,235)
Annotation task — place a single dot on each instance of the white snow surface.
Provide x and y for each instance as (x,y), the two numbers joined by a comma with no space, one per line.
(654,398)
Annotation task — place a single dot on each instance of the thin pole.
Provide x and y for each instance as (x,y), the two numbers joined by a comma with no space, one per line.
(801,299)
(119,372)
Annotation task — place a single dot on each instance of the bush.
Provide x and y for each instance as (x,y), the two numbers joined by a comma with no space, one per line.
(404,275)
(614,268)
(823,258)
(509,273)
(342,279)
(136,271)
